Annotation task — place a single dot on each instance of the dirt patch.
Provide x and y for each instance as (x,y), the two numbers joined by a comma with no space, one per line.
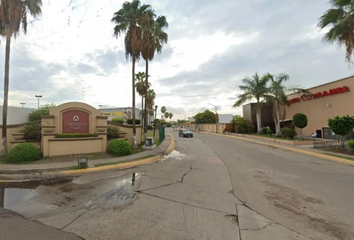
(233,218)
(305,209)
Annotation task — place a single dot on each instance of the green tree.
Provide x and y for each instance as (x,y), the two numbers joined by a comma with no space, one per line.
(242,125)
(13,17)
(163,110)
(43,110)
(205,117)
(300,121)
(153,39)
(166,115)
(341,126)
(277,95)
(340,18)
(128,20)
(170,115)
(254,87)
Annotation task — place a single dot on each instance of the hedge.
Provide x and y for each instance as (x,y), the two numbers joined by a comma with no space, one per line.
(118,120)
(130,121)
(76,135)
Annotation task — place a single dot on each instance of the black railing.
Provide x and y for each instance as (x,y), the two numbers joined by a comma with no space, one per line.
(327,144)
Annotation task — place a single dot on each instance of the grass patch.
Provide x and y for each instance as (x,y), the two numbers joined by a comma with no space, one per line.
(340,156)
(138,149)
(120,162)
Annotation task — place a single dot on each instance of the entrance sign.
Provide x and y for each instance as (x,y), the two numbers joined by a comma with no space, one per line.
(331,92)
(75,121)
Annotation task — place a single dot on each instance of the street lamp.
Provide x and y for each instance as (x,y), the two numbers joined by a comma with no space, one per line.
(100,106)
(216,113)
(38,96)
(22,104)
(155,120)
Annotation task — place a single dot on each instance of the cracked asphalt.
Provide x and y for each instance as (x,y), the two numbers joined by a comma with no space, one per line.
(212,188)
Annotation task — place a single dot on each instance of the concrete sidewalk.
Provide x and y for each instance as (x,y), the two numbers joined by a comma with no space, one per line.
(8,168)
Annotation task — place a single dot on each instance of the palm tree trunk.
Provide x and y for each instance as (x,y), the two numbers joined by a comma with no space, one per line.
(259,120)
(142,117)
(133,103)
(277,126)
(146,85)
(6,94)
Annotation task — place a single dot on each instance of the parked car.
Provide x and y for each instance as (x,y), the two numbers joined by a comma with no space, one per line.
(185,133)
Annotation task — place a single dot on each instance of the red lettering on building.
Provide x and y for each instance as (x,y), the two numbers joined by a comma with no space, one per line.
(75,121)
(332,91)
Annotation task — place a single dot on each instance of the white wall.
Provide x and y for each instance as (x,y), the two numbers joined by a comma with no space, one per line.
(16,115)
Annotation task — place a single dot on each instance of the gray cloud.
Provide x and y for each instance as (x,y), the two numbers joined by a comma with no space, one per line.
(108,59)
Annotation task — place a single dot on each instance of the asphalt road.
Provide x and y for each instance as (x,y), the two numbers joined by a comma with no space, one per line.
(214,187)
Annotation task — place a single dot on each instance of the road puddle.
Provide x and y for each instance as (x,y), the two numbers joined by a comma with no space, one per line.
(20,197)
(175,155)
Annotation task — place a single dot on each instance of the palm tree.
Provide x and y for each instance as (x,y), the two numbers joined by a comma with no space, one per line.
(166,115)
(277,95)
(170,115)
(13,16)
(153,39)
(141,89)
(163,110)
(254,87)
(128,20)
(340,18)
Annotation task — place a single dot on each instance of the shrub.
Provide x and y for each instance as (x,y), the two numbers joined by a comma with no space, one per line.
(300,121)
(119,147)
(341,126)
(130,121)
(242,125)
(269,131)
(43,110)
(150,127)
(32,131)
(288,133)
(118,120)
(351,145)
(264,130)
(76,135)
(23,152)
(168,124)
(112,132)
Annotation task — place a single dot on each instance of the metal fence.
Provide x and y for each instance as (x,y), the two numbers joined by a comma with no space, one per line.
(161,133)
(327,144)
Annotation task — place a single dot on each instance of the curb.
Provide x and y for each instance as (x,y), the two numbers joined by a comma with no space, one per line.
(313,154)
(172,145)
(16,178)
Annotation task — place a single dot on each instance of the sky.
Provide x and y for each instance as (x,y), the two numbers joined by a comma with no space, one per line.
(70,53)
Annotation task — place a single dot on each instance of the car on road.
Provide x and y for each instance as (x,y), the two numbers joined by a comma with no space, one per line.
(185,133)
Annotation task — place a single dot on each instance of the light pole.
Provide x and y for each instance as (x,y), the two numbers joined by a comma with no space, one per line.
(155,120)
(100,106)
(38,96)
(216,114)
(22,104)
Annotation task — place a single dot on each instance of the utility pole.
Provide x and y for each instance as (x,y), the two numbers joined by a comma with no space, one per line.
(22,104)
(38,97)
(100,106)
(216,114)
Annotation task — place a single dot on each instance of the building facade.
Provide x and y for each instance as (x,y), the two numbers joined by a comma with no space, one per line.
(249,113)
(16,115)
(320,104)
(324,102)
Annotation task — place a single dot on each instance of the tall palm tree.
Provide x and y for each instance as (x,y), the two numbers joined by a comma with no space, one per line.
(254,87)
(166,115)
(277,95)
(150,99)
(170,115)
(153,39)
(163,110)
(128,20)
(13,17)
(341,20)
(141,89)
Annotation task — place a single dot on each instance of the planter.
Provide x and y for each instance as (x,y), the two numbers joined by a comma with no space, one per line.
(18,136)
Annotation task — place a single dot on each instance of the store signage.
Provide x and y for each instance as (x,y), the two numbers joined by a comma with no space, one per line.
(331,92)
(75,121)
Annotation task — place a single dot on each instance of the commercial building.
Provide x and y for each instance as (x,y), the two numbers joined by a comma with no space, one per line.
(249,113)
(322,103)
(16,115)
(123,113)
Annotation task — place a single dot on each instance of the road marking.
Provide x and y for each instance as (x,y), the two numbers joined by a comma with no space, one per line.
(313,154)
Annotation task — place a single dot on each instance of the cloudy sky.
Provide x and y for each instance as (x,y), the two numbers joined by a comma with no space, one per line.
(70,54)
